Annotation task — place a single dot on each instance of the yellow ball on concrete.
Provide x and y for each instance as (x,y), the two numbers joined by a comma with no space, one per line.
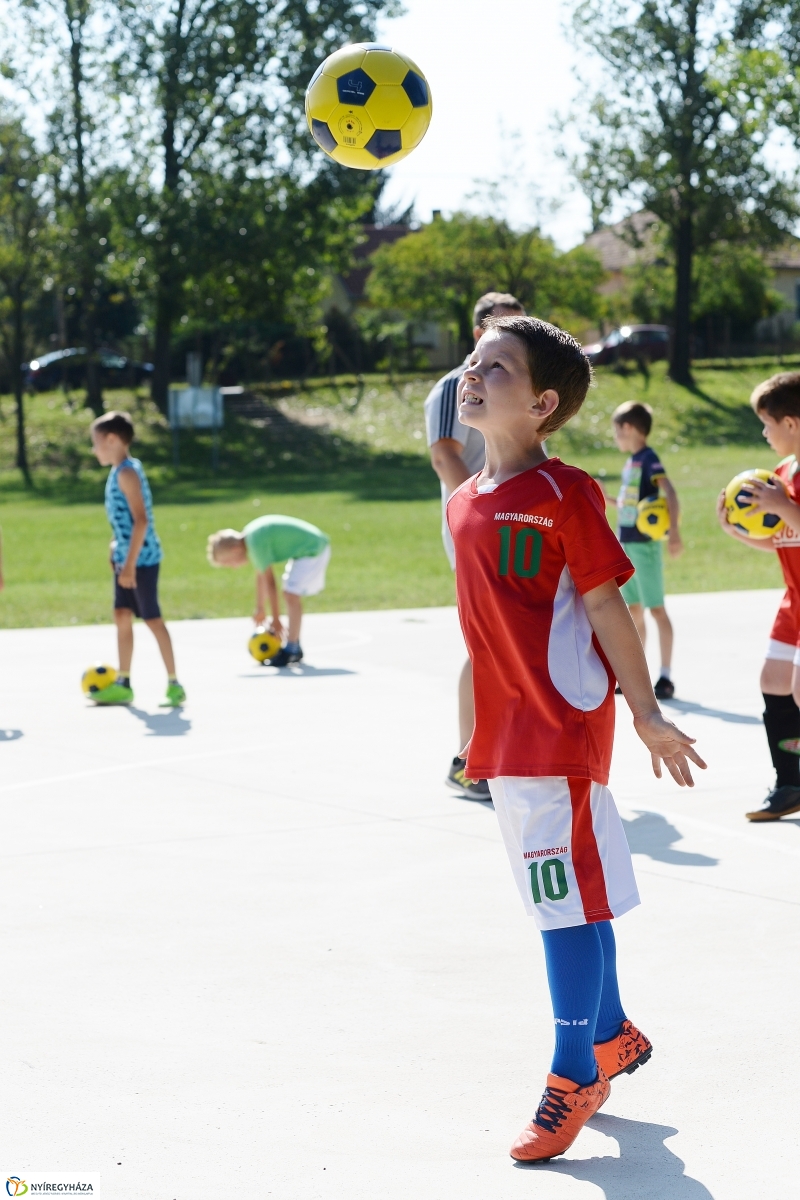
(95,679)
(263,645)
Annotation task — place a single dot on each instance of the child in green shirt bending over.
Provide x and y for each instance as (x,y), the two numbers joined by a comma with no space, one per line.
(272,539)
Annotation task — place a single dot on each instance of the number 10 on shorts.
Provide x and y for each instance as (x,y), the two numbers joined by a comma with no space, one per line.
(553,880)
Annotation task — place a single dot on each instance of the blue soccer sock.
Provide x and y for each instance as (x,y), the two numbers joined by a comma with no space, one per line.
(292,647)
(611,1014)
(574,958)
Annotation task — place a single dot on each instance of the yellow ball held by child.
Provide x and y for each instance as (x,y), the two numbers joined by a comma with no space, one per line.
(263,645)
(739,502)
(96,679)
(653,517)
(368,106)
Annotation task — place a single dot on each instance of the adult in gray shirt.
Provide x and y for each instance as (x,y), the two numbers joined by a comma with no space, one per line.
(457,453)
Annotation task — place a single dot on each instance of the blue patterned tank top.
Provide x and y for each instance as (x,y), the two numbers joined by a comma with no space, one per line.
(119,515)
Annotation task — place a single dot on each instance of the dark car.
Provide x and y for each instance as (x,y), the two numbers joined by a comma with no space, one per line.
(67,368)
(648,342)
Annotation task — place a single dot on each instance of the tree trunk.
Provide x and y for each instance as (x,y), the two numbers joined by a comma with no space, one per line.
(19,391)
(681,360)
(165,316)
(76,17)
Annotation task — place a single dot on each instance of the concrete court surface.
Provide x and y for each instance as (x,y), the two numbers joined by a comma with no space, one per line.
(256,948)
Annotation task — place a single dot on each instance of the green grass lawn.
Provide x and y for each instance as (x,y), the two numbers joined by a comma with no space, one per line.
(356,465)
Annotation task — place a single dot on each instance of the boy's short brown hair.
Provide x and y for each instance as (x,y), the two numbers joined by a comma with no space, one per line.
(555,360)
(632,412)
(778,396)
(492,300)
(119,423)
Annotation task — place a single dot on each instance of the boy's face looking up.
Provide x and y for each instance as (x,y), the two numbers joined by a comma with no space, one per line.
(627,437)
(782,434)
(109,448)
(495,393)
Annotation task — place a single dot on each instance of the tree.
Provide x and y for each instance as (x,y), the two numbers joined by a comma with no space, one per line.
(441,270)
(225,80)
(22,236)
(67,34)
(684,134)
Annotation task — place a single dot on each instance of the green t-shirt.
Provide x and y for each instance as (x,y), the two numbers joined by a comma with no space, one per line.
(272,538)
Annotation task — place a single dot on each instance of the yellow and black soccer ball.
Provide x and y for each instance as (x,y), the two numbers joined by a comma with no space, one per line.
(95,679)
(263,645)
(739,503)
(368,106)
(653,517)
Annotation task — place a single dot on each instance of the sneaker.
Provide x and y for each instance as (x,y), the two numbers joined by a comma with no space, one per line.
(115,693)
(779,803)
(664,688)
(473,789)
(562,1113)
(623,1054)
(284,657)
(176,696)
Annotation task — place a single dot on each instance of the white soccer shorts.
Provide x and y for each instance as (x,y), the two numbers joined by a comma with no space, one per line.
(306,576)
(567,849)
(783,652)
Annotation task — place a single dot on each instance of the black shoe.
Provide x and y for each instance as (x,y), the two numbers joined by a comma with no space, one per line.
(473,790)
(664,688)
(285,657)
(780,802)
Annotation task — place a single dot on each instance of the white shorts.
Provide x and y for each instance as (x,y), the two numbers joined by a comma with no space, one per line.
(783,652)
(306,576)
(567,848)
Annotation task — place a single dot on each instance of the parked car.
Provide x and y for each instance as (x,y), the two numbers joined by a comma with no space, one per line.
(649,342)
(68,367)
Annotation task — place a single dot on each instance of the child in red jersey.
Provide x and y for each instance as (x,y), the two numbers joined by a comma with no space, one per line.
(538,572)
(777,405)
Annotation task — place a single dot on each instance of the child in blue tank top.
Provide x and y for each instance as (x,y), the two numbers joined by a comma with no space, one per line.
(135,556)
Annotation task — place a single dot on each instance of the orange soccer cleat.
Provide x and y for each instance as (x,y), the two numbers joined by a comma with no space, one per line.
(626,1052)
(562,1113)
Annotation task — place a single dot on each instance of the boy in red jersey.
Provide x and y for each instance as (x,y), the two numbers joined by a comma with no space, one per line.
(537,574)
(777,405)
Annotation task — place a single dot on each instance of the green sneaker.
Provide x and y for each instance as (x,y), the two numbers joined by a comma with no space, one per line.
(115,693)
(175,696)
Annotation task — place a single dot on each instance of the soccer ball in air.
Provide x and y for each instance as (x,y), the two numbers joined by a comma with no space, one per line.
(653,517)
(95,679)
(739,502)
(263,645)
(368,106)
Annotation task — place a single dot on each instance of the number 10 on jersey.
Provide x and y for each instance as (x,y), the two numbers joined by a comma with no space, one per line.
(520,552)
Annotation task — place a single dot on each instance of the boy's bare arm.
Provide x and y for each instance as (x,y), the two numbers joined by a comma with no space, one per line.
(675,543)
(609,617)
(267,593)
(754,543)
(132,490)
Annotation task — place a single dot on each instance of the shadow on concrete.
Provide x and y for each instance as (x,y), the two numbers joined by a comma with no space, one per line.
(10,735)
(296,671)
(688,706)
(645,1167)
(652,834)
(171,723)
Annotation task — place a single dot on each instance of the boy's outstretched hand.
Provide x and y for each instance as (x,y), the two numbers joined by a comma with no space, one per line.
(666,742)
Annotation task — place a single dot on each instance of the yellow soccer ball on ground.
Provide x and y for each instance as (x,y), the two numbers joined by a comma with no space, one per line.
(95,679)
(263,645)
(739,502)
(653,517)
(368,106)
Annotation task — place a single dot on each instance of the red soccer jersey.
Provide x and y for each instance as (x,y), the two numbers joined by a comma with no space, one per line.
(787,542)
(525,554)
